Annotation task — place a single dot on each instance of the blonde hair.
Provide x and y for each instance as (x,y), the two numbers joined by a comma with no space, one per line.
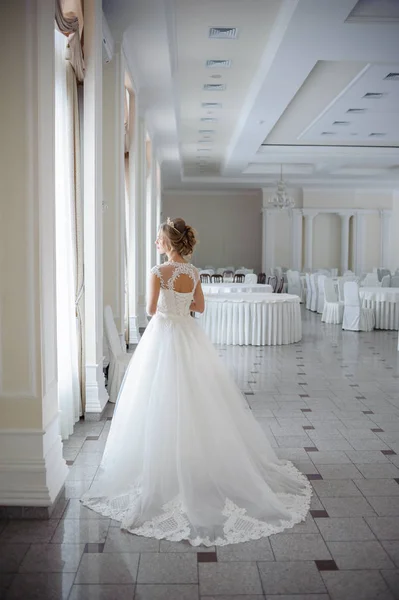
(178,236)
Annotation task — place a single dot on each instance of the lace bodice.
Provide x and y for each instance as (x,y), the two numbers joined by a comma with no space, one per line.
(170,301)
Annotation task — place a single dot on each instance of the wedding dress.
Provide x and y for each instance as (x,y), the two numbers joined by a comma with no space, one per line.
(185,459)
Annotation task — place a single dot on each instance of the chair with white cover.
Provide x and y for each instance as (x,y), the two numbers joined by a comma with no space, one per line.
(382,273)
(333,310)
(371,280)
(308,292)
(315,292)
(251,278)
(320,289)
(395,281)
(356,318)
(119,359)
(294,283)
(386,281)
(348,272)
(334,272)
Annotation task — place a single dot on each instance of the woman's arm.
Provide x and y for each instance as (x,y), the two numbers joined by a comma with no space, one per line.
(198,303)
(153,294)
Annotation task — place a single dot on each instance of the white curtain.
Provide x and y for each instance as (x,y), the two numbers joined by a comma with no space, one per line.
(67,346)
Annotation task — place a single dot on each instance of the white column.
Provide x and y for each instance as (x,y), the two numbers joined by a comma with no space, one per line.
(394,237)
(142,183)
(134,222)
(114,188)
(268,239)
(345,218)
(96,394)
(385,235)
(309,217)
(360,240)
(296,239)
(32,469)
(268,233)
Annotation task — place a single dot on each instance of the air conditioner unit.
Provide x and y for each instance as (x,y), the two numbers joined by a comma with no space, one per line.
(108,42)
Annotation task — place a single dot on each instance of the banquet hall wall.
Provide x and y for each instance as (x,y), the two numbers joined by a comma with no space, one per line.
(229,225)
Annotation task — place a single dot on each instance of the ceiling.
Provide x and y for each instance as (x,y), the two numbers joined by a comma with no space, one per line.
(293,78)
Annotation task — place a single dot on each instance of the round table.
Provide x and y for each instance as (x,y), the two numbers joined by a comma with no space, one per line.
(244,319)
(232,288)
(385,303)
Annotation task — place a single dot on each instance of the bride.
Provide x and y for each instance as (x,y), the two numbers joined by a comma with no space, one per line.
(185,459)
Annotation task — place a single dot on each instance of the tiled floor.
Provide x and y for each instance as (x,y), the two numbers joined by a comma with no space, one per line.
(330,404)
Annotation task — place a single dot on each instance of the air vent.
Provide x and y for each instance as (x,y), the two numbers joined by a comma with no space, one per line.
(223,33)
(328,133)
(218,64)
(214,87)
(377,134)
(356,110)
(211,105)
(206,131)
(373,95)
(204,142)
(203,149)
(392,77)
(208,119)
(341,123)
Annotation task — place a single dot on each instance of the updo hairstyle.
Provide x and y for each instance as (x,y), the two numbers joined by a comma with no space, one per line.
(178,236)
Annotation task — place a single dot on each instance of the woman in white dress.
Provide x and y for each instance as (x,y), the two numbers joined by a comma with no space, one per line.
(185,459)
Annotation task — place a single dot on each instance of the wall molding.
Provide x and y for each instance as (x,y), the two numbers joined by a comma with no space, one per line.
(32,469)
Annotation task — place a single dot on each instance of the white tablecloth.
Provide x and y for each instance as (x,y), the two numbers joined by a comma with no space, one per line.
(385,303)
(229,288)
(252,319)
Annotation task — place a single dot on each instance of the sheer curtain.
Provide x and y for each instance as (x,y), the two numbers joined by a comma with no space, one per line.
(67,345)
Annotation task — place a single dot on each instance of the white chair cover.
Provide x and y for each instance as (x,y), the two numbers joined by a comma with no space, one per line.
(386,281)
(294,283)
(119,359)
(356,318)
(334,272)
(315,294)
(251,278)
(395,281)
(333,311)
(371,280)
(320,289)
(308,292)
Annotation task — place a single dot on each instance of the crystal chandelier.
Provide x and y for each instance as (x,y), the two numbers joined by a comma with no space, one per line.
(280,198)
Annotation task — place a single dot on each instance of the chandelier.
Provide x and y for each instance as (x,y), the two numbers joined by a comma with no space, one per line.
(280,198)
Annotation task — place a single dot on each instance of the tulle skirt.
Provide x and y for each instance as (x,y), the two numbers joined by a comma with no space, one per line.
(185,459)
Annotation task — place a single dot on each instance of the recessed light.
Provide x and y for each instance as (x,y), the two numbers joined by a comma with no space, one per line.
(206,131)
(392,77)
(214,87)
(223,33)
(328,133)
(211,105)
(353,133)
(356,110)
(216,76)
(203,149)
(204,142)
(208,119)
(374,95)
(377,134)
(218,64)
(341,123)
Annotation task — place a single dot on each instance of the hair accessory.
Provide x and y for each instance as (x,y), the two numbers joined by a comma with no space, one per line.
(171,224)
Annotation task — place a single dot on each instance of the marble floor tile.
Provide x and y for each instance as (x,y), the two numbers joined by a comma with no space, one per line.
(168,568)
(108,568)
(52,558)
(11,556)
(301,546)
(75,531)
(360,555)
(229,578)
(166,592)
(344,529)
(301,577)
(123,541)
(40,586)
(347,507)
(102,592)
(356,585)
(248,551)
(385,528)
